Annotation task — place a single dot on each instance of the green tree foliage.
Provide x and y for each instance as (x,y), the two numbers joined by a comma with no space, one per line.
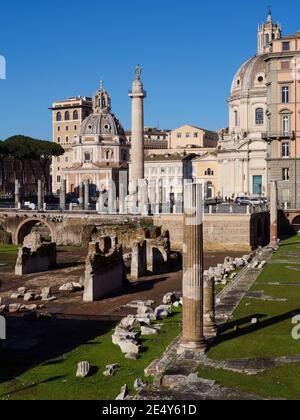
(24,149)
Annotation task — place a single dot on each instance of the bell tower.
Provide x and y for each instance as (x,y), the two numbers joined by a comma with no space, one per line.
(102,100)
(266,34)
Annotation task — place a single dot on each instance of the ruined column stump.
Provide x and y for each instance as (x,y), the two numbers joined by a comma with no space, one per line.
(209,315)
(193,339)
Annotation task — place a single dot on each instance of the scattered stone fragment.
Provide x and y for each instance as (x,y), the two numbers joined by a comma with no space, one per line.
(177,304)
(163,312)
(68,287)
(123,394)
(110,369)
(14,308)
(29,296)
(254,321)
(144,310)
(139,384)
(22,290)
(170,298)
(129,346)
(16,296)
(83,370)
(129,322)
(150,330)
(28,307)
(77,287)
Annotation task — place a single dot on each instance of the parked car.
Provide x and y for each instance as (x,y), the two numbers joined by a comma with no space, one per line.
(243,201)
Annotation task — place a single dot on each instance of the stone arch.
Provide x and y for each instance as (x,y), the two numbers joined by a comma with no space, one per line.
(296,224)
(25,228)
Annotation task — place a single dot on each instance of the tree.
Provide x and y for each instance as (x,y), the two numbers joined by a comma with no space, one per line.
(24,149)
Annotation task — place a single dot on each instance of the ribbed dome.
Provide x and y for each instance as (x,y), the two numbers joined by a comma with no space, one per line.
(104,123)
(251,75)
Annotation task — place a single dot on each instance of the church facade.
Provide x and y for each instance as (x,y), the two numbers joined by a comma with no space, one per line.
(262,142)
(100,151)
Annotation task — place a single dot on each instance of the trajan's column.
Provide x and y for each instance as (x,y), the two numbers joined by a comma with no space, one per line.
(137,127)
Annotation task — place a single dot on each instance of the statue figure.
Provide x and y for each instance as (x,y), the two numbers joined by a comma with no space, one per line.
(138,72)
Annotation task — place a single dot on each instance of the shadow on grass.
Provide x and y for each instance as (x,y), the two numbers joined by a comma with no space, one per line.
(51,339)
(226,336)
(31,386)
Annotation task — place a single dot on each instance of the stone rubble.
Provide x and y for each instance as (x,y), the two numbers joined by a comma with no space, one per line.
(83,370)
(123,394)
(139,384)
(110,370)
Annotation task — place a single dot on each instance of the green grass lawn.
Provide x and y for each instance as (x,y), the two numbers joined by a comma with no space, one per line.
(270,338)
(55,380)
(8,254)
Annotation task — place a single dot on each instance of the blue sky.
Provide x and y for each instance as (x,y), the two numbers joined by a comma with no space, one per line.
(189,50)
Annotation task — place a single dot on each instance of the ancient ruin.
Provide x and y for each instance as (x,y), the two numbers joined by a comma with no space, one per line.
(139,260)
(35,256)
(104,272)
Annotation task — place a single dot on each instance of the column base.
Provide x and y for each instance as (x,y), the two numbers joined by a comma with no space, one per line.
(211,331)
(192,347)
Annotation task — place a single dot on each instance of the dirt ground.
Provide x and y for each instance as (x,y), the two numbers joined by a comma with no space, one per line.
(70,268)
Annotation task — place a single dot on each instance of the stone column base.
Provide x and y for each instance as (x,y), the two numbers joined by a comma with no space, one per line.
(192,347)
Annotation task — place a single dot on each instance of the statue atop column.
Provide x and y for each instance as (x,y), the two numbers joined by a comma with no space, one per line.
(138,72)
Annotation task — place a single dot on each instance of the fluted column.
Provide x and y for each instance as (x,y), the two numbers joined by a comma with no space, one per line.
(274,213)
(193,339)
(209,316)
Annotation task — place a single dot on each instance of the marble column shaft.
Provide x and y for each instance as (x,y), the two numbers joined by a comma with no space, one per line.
(193,339)
(209,315)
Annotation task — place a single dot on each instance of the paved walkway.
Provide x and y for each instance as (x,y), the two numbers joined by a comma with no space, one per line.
(176,376)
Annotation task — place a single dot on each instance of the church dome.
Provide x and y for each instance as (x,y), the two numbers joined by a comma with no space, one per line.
(251,75)
(102,122)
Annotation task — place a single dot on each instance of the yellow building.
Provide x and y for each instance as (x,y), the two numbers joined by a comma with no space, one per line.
(205,171)
(190,137)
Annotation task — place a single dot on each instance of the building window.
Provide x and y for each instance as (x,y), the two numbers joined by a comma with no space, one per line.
(285,93)
(285,174)
(67,116)
(195,135)
(75,127)
(209,172)
(58,116)
(267,40)
(259,116)
(67,128)
(179,135)
(58,178)
(58,159)
(285,46)
(87,157)
(285,125)
(188,135)
(236,118)
(285,149)
(67,139)
(285,65)
(58,128)
(58,139)
(75,115)
(66,159)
